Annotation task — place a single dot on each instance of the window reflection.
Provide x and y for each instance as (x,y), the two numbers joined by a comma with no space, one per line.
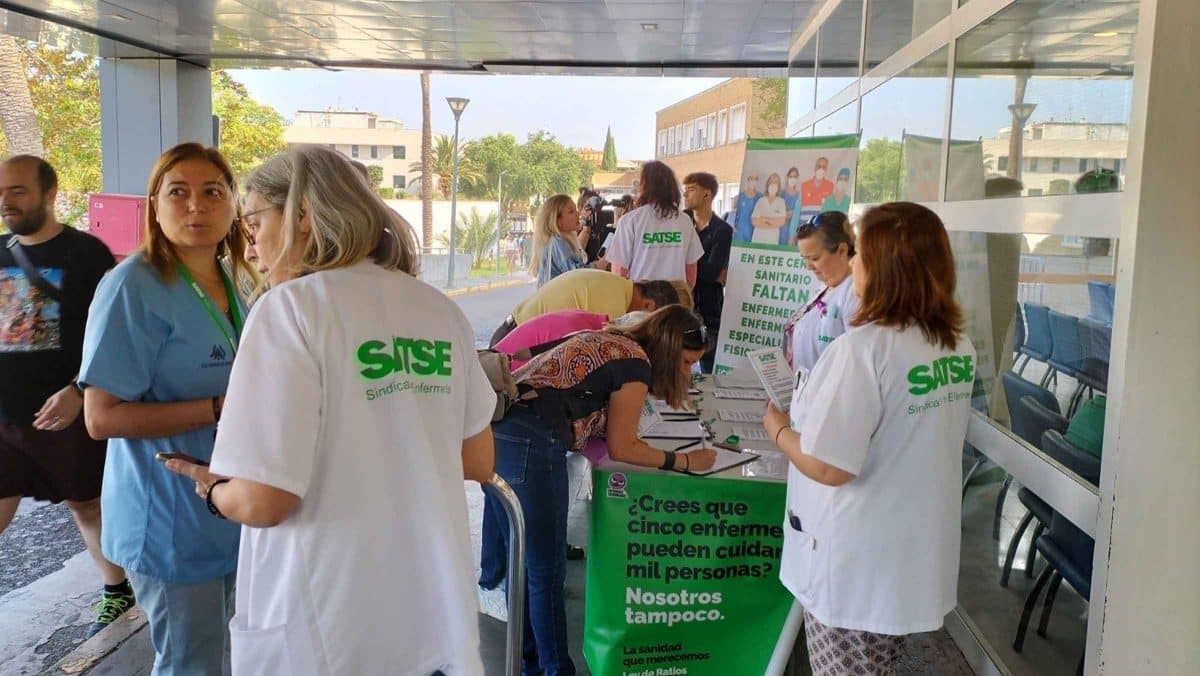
(901,152)
(1044,87)
(802,83)
(844,121)
(892,24)
(838,49)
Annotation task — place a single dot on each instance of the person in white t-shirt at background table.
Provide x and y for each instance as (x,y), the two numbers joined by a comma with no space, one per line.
(656,240)
(356,408)
(827,244)
(871,533)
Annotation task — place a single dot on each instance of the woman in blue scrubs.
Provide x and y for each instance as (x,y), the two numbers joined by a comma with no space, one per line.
(160,342)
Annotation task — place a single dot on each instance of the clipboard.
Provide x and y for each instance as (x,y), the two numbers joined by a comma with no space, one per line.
(726,460)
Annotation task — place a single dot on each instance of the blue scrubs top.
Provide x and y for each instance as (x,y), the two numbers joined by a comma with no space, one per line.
(148,340)
(743,228)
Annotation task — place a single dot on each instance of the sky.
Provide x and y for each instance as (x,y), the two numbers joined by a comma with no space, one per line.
(577,110)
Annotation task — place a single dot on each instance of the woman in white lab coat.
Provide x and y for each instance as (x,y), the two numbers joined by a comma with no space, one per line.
(827,245)
(871,544)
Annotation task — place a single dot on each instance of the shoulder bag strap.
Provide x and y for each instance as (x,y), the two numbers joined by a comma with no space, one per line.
(31,273)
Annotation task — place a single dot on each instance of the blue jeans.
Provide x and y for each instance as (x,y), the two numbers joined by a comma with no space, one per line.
(189,623)
(534,463)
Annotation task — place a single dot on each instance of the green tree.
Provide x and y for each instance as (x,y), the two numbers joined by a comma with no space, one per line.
(879,169)
(609,163)
(770,97)
(251,131)
(476,235)
(375,172)
(443,166)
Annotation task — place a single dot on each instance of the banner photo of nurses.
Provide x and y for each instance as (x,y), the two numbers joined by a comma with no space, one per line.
(785,182)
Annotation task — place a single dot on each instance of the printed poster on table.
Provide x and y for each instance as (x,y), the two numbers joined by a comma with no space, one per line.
(683,575)
(785,182)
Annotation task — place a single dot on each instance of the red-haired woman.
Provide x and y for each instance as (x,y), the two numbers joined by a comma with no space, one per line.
(871,541)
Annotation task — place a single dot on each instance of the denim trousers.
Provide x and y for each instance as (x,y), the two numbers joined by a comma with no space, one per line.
(534,463)
(189,623)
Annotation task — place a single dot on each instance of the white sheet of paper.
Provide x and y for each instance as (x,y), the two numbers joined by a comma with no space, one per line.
(731,393)
(650,417)
(742,377)
(672,429)
(737,416)
(776,376)
(751,433)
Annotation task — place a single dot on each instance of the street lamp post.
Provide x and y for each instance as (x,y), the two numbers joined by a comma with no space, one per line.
(457,106)
(500,219)
(1021,113)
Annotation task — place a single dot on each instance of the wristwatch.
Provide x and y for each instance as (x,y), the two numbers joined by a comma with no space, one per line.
(78,386)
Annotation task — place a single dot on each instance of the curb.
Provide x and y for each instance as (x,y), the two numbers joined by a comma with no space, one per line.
(92,651)
(463,291)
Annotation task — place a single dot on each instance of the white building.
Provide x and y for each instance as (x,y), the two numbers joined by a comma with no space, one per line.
(1057,153)
(364,136)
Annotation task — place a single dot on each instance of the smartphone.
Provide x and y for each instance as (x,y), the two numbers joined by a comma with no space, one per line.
(163,457)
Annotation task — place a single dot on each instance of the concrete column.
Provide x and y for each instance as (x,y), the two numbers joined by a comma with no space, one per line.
(148,103)
(1145,605)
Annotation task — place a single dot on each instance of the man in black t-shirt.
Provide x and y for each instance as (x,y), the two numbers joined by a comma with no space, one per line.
(48,274)
(716,236)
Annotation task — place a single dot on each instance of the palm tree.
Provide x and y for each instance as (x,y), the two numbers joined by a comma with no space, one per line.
(476,234)
(426,166)
(443,166)
(18,119)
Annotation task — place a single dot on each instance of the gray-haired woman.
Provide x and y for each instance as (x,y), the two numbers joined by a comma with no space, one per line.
(355,409)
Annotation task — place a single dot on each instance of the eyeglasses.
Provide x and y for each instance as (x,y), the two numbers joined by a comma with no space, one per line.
(248,229)
(700,341)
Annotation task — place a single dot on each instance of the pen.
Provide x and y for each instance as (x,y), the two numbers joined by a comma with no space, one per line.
(687,445)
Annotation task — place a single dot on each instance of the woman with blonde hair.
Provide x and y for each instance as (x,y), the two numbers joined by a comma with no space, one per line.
(159,345)
(557,235)
(356,408)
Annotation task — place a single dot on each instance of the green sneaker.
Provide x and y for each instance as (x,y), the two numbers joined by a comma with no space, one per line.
(111,606)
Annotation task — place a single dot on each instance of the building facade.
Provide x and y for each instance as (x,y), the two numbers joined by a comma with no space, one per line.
(1055,154)
(708,131)
(364,136)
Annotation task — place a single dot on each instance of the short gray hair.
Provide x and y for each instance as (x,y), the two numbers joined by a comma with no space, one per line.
(350,222)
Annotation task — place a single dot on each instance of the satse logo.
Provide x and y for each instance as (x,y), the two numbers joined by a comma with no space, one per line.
(944,371)
(662,238)
(412,356)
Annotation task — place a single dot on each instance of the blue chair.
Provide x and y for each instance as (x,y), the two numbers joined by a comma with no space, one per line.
(1034,418)
(1038,343)
(1067,353)
(1095,339)
(1101,298)
(1067,549)
(1015,388)
(1018,337)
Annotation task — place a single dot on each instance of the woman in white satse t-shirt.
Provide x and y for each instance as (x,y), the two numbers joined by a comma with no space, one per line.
(770,213)
(355,410)
(871,544)
(827,244)
(656,240)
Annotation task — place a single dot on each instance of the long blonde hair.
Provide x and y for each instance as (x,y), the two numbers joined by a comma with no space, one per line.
(158,251)
(350,223)
(545,228)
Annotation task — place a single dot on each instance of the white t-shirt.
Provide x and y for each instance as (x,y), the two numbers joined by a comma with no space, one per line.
(817,329)
(354,389)
(880,553)
(765,208)
(655,248)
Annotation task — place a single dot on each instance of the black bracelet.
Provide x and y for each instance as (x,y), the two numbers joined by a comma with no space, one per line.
(212,508)
(669,462)
(216,404)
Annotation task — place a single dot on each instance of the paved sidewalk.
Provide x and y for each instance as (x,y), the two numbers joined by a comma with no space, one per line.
(478,284)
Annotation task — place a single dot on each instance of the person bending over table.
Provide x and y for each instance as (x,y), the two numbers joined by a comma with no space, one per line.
(871,544)
(593,384)
(595,291)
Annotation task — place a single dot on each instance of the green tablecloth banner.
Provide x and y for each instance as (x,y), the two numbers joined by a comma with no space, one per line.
(683,575)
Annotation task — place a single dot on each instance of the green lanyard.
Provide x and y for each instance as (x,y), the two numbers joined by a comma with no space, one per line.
(234,309)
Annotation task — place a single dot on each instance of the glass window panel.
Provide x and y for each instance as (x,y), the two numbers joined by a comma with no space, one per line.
(844,121)
(802,81)
(838,49)
(722,126)
(902,122)
(1066,94)
(737,123)
(892,24)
